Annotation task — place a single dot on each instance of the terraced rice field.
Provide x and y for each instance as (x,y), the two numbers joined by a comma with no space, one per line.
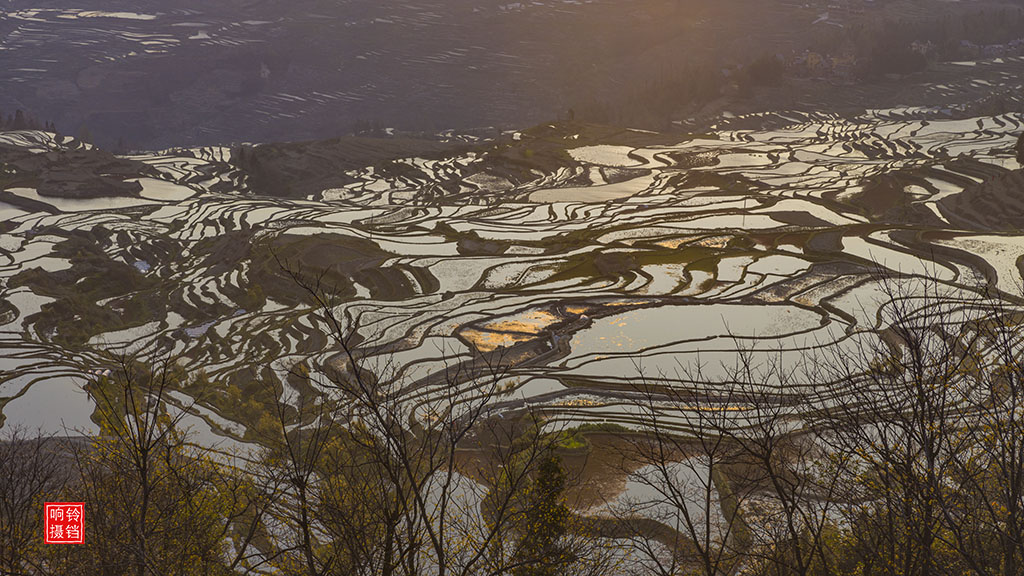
(630,257)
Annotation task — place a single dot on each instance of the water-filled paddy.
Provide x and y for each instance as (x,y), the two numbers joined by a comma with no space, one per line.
(773,240)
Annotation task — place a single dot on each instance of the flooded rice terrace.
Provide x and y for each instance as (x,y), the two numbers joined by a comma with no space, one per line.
(632,256)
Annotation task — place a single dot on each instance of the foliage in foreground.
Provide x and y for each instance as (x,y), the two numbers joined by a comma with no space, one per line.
(900,456)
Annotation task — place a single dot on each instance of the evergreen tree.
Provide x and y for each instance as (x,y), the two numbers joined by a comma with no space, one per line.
(239,157)
(19,123)
(1020,149)
(543,551)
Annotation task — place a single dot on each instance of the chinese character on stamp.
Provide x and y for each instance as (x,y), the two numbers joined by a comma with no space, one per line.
(64,522)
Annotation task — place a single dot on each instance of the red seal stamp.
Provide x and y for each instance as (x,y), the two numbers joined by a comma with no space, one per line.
(64,522)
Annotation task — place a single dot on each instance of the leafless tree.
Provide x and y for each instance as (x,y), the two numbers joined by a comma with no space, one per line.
(679,456)
(379,481)
(790,480)
(31,471)
(156,503)
(982,492)
(901,423)
(751,451)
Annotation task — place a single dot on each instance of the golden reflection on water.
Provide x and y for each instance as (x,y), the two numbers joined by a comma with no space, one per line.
(618,303)
(487,341)
(619,340)
(714,242)
(529,322)
(673,243)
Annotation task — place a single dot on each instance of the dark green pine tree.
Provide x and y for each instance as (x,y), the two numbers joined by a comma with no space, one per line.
(542,547)
(19,123)
(1020,150)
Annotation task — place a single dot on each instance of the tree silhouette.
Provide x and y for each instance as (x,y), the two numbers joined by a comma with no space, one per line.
(30,469)
(547,516)
(19,123)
